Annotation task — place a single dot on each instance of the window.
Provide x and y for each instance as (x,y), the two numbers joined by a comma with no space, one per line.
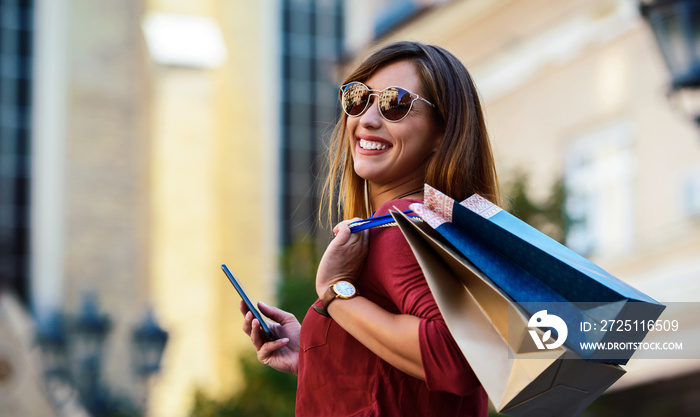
(312,41)
(15,101)
(598,178)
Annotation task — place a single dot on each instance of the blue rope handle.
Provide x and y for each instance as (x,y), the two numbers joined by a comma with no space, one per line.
(379,221)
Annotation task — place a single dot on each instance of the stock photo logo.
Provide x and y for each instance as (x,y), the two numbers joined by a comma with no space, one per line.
(542,319)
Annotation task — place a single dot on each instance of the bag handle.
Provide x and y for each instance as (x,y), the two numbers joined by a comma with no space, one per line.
(379,221)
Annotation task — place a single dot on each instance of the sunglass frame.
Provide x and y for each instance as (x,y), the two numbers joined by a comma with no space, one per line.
(378,93)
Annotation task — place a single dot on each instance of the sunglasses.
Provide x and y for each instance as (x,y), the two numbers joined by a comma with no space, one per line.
(394,102)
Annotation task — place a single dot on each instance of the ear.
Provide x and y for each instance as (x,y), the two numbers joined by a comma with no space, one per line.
(437,140)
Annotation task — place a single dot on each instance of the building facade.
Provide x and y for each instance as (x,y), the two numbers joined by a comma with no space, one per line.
(215,184)
(151,165)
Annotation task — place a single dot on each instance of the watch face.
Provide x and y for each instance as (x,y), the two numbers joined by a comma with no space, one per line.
(344,289)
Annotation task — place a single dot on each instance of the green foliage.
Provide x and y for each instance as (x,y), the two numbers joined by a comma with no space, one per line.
(268,392)
(297,289)
(549,216)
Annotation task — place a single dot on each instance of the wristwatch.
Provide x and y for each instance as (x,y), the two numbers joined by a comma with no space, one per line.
(340,289)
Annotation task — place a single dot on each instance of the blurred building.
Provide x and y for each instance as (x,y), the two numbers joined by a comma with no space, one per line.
(214,180)
(20,371)
(576,90)
(313,38)
(90,177)
(146,142)
(235,161)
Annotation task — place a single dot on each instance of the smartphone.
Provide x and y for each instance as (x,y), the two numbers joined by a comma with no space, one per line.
(252,307)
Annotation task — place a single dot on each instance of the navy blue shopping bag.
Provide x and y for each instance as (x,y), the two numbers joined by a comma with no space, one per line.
(539,273)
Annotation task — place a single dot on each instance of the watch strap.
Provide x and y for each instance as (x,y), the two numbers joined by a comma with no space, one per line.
(328,298)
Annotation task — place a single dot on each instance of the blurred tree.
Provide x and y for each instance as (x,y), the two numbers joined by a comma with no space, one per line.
(548,216)
(268,392)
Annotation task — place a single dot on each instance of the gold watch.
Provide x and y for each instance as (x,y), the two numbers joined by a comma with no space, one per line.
(340,289)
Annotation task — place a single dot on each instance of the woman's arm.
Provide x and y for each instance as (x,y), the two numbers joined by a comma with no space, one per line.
(392,337)
(414,338)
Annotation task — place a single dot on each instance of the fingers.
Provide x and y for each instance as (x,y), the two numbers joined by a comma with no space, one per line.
(338,226)
(276,314)
(243,307)
(264,347)
(267,349)
(247,323)
(251,325)
(344,225)
(256,334)
(343,234)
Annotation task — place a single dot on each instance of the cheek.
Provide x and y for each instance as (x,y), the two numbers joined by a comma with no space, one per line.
(350,137)
(350,127)
(425,141)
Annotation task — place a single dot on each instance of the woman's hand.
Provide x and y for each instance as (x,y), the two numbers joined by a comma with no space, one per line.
(281,354)
(344,258)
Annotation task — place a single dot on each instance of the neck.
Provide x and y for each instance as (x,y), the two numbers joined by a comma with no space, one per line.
(379,195)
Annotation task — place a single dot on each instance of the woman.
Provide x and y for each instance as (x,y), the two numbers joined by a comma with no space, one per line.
(375,344)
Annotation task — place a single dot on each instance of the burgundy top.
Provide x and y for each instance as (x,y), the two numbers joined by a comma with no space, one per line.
(338,376)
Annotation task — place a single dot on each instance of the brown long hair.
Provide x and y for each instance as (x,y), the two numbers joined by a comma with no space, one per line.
(462,165)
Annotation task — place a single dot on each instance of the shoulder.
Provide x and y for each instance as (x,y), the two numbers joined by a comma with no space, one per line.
(392,235)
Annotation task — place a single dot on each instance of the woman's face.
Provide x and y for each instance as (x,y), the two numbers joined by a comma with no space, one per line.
(388,154)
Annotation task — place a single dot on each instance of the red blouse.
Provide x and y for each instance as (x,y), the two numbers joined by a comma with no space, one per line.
(338,376)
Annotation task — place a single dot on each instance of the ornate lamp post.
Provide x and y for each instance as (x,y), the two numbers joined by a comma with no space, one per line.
(676,27)
(72,352)
(147,345)
(51,336)
(88,334)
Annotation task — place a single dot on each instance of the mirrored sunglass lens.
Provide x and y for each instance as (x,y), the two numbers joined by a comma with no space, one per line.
(354,98)
(394,103)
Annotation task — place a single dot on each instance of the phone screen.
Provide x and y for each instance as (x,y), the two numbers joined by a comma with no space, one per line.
(266,330)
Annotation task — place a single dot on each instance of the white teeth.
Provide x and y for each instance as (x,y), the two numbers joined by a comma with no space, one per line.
(365,144)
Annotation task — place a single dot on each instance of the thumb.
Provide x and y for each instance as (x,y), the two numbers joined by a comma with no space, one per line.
(274,313)
(342,233)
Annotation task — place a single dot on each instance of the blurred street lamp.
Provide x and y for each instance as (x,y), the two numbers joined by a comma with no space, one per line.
(88,334)
(147,345)
(51,337)
(676,27)
(72,353)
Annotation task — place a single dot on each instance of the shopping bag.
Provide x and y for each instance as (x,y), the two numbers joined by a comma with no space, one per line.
(489,328)
(539,273)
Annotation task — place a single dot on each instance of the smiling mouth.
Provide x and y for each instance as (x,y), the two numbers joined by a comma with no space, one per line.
(369,145)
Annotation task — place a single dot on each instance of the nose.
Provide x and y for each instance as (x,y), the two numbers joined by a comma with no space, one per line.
(371,116)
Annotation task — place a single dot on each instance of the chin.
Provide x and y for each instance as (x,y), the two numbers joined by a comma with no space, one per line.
(366,173)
